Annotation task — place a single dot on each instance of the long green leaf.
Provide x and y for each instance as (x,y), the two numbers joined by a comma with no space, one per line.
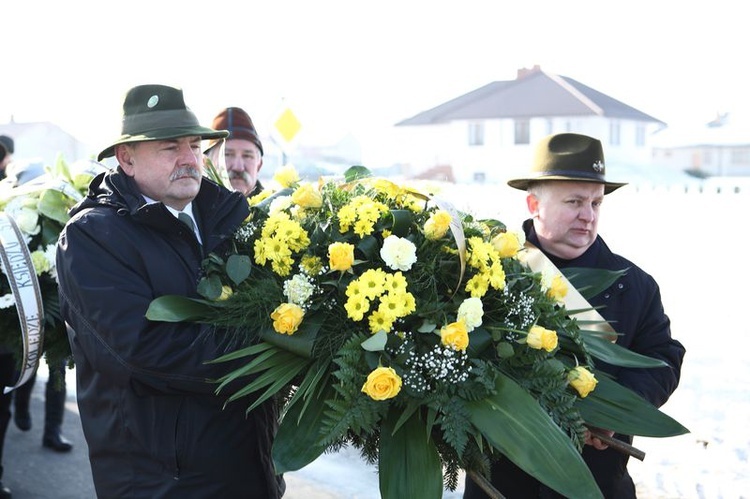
(513,422)
(175,308)
(409,463)
(614,354)
(614,407)
(297,442)
(592,281)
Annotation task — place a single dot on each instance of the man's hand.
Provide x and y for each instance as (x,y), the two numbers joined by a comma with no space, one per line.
(595,442)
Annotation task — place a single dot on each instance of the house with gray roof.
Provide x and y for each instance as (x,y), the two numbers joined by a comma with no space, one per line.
(488,134)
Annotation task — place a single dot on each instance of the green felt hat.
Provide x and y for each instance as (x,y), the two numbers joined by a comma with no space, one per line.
(158,112)
(567,156)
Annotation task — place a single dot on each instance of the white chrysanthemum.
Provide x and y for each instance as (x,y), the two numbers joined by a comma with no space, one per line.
(398,253)
(7,301)
(299,289)
(471,312)
(24,212)
(280,203)
(51,253)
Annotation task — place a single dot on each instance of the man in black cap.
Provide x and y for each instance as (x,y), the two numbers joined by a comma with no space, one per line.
(565,191)
(243,150)
(153,423)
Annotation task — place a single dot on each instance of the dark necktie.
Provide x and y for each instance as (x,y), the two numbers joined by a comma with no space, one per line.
(187,220)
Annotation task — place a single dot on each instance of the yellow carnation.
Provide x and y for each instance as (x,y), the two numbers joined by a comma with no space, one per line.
(383,383)
(226,292)
(287,317)
(437,225)
(582,380)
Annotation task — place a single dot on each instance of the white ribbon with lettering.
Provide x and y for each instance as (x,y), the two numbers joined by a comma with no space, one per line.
(19,270)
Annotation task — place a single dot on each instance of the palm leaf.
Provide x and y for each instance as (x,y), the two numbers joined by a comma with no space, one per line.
(614,407)
(513,422)
(409,463)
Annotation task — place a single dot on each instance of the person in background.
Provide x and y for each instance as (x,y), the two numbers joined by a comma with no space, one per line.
(153,423)
(7,148)
(243,151)
(7,359)
(565,191)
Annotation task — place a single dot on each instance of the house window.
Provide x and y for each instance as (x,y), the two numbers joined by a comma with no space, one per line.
(476,134)
(550,127)
(479,177)
(614,133)
(522,132)
(640,135)
(740,156)
(708,157)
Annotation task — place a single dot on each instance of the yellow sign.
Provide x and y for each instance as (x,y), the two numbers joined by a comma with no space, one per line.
(287,125)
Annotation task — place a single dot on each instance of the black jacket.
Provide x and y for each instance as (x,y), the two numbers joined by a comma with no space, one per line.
(633,305)
(153,424)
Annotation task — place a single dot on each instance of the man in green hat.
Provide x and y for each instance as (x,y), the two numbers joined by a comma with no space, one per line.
(153,423)
(565,190)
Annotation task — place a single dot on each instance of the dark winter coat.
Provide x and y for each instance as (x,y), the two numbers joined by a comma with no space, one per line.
(633,305)
(153,424)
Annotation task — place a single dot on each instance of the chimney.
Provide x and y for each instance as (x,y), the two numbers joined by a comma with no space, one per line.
(524,72)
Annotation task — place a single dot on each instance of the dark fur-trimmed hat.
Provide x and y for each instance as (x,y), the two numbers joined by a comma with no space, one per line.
(239,125)
(157,112)
(567,156)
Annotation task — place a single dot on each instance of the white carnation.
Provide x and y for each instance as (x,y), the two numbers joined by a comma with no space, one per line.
(299,289)
(471,312)
(398,253)
(280,203)
(7,301)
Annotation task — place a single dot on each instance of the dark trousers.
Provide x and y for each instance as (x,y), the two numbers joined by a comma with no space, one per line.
(54,398)
(7,378)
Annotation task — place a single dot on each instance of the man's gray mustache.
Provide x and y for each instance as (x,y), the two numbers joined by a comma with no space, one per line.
(185,172)
(243,175)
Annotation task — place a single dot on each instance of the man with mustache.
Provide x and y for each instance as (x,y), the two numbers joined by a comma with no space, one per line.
(243,151)
(154,425)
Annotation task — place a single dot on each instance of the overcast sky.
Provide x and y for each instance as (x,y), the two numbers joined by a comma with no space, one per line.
(349,66)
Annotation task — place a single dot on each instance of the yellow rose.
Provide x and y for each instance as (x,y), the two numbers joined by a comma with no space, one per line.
(582,380)
(226,292)
(541,338)
(287,317)
(455,335)
(557,288)
(383,383)
(506,244)
(286,176)
(307,196)
(340,256)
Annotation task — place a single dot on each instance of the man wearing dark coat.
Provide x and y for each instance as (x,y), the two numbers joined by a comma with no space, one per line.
(565,191)
(154,425)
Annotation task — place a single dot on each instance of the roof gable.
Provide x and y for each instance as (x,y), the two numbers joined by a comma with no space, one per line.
(538,94)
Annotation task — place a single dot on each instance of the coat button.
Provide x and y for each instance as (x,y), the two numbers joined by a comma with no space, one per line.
(606,296)
(620,286)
